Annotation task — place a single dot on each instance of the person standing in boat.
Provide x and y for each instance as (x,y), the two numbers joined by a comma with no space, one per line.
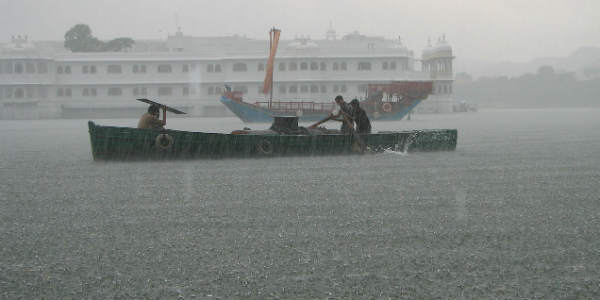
(344,115)
(151,119)
(363,125)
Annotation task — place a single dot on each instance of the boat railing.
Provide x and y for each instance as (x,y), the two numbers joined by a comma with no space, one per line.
(297,105)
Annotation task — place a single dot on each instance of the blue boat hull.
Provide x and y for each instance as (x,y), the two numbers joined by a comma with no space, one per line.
(253,114)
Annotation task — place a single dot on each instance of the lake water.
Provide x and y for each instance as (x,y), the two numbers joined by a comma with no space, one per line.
(514,212)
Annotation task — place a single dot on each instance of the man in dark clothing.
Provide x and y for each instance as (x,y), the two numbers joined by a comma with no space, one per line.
(345,113)
(151,120)
(363,125)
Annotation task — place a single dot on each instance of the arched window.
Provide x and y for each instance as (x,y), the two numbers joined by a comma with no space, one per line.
(30,68)
(282,67)
(112,69)
(210,68)
(293,89)
(323,89)
(303,66)
(314,66)
(336,66)
(385,65)
(364,66)
(217,68)
(239,67)
(343,66)
(323,66)
(314,89)
(304,88)
(282,89)
(261,67)
(211,90)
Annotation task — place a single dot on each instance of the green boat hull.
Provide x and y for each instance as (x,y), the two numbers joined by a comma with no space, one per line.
(123,143)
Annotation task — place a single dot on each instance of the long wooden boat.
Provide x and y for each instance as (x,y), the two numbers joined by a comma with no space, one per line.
(124,143)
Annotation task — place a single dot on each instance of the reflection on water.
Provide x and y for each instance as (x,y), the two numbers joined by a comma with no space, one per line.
(513,212)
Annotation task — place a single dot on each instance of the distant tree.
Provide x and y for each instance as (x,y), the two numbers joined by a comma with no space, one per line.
(545,71)
(118,44)
(80,39)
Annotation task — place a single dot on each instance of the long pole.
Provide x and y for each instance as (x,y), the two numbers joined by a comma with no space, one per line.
(271,49)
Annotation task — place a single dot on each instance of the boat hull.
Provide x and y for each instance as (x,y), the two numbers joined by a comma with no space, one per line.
(123,143)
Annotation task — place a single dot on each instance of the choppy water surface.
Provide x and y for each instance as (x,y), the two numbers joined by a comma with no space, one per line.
(514,212)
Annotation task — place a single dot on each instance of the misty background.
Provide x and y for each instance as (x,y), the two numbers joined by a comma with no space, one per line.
(502,48)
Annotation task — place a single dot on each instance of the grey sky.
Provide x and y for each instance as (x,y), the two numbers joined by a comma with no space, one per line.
(477,29)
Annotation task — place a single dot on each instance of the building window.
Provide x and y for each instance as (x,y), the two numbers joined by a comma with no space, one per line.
(282,89)
(115,91)
(261,66)
(29,67)
(361,88)
(143,91)
(113,69)
(19,93)
(85,92)
(336,88)
(9,67)
(314,89)
(343,88)
(165,91)
(323,89)
(136,91)
(218,90)
(59,69)
(304,88)
(60,92)
(18,68)
(343,66)
(43,92)
(314,66)
(336,66)
(85,69)
(164,68)
(9,92)
(185,91)
(303,66)
(185,68)
(241,88)
(211,90)
(218,68)
(393,65)
(385,65)
(42,67)
(293,89)
(364,66)
(293,66)
(240,67)
(323,66)
(282,67)
(139,69)
(210,68)
(67,69)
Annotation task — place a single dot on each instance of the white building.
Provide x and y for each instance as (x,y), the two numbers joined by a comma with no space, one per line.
(43,80)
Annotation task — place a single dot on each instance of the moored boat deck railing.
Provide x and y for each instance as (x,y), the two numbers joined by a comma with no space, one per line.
(297,105)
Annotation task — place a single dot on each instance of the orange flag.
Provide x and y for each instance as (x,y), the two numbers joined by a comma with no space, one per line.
(269,75)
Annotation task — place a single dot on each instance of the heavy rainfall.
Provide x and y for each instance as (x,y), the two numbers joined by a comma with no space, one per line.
(477,177)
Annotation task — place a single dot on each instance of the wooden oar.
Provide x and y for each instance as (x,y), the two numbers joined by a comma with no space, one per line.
(320,122)
(175,111)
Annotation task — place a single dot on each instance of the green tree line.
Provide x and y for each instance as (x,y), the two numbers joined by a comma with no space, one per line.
(80,39)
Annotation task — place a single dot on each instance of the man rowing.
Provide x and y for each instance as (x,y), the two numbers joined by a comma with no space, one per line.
(344,115)
(363,125)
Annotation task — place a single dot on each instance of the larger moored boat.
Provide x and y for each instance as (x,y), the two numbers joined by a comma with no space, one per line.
(43,80)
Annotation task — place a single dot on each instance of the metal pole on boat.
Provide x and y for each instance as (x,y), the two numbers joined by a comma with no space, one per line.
(271,49)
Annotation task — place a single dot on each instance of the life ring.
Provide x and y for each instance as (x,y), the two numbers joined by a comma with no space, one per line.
(163,141)
(387,107)
(264,147)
